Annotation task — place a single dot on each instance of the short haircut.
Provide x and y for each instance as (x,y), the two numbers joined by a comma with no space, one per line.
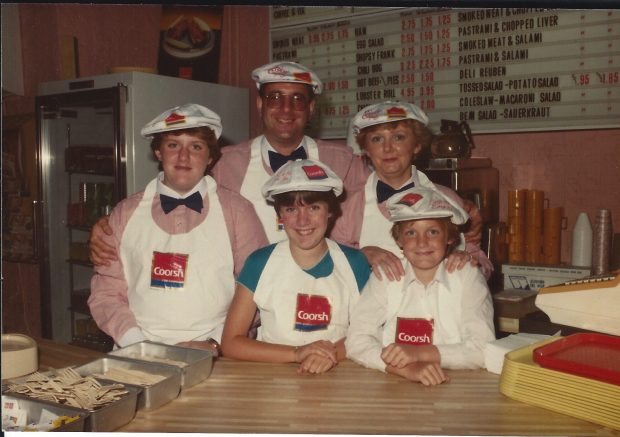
(203,132)
(451,229)
(423,134)
(291,198)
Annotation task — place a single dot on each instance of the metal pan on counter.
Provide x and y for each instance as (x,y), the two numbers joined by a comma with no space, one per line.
(40,416)
(106,414)
(157,384)
(195,364)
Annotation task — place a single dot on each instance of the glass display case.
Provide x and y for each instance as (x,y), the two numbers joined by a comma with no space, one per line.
(82,177)
(91,156)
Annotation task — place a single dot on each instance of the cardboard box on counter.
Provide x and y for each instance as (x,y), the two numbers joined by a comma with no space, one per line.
(515,303)
(534,277)
(510,306)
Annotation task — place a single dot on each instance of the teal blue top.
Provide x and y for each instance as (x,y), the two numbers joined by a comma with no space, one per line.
(255,264)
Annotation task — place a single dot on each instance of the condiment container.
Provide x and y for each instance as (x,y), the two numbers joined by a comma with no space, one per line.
(19,355)
(103,418)
(34,411)
(195,364)
(150,396)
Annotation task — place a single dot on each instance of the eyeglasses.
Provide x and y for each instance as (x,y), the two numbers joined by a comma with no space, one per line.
(276,100)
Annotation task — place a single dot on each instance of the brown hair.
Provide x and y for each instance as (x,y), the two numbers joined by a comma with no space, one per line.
(422,134)
(307,197)
(203,132)
(451,229)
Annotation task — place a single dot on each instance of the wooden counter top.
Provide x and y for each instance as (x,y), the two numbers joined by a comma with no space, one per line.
(53,355)
(242,397)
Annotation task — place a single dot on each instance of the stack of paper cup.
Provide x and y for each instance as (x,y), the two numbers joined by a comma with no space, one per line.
(534,205)
(516,226)
(553,224)
(601,242)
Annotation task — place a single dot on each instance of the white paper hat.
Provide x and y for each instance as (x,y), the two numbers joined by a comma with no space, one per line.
(183,117)
(352,139)
(387,112)
(424,203)
(302,175)
(287,72)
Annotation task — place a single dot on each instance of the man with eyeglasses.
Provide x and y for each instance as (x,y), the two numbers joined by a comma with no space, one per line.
(286,102)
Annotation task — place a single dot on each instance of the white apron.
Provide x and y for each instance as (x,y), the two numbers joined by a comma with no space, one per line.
(297,308)
(425,304)
(179,286)
(252,185)
(375,226)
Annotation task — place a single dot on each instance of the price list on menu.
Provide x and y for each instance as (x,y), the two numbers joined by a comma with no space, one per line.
(501,70)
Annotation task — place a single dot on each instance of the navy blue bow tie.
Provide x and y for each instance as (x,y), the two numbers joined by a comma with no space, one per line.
(193,202)
(384,191)
(277,160)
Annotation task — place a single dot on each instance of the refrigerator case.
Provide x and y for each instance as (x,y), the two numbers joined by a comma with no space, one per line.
(90,155)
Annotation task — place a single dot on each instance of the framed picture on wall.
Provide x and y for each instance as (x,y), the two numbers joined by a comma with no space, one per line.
(190,38)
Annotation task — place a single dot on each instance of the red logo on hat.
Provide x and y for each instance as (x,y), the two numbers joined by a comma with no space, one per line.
(174,118)
(303,77)
(278,71)
(313,313)
(416,332)
(396,112)
(314,172)
(410,199)
(168,270)
(373,113)
(440,204)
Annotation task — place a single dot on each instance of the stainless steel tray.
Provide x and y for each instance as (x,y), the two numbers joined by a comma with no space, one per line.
(34,408)
(103,419)
(149,396)
(198,362)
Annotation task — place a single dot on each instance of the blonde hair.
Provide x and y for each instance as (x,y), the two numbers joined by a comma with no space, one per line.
(422,134)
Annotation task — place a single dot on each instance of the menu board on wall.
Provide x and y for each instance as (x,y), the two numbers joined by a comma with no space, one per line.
(501,70)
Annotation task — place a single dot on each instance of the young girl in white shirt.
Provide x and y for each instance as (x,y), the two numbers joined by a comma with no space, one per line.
(428,320)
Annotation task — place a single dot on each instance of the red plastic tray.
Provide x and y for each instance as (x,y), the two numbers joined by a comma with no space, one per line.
(595,356)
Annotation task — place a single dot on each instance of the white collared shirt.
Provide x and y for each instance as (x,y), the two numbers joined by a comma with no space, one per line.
(162,188)
(459,304)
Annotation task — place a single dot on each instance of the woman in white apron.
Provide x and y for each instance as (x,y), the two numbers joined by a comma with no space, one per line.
(392,135)
(177,242)
(305,287)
